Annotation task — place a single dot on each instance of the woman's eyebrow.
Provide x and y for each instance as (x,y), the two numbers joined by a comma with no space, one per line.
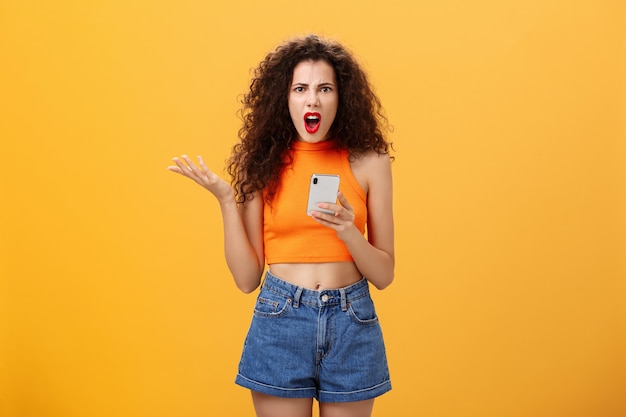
(322,84)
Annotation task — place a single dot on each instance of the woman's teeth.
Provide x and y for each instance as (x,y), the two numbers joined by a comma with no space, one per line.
(312,123)
(312,120)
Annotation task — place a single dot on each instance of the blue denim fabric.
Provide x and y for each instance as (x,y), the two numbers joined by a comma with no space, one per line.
(323,344)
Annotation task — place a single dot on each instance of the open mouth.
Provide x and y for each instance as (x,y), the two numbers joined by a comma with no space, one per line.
(312,122)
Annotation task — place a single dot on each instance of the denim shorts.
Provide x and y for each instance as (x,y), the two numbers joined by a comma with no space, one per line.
(324,344)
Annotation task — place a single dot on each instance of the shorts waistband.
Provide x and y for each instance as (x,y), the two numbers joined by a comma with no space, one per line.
(326,297)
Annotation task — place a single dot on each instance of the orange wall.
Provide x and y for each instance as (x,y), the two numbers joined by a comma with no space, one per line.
(510,194)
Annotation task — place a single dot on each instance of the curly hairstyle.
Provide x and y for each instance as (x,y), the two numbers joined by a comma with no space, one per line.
(360,124)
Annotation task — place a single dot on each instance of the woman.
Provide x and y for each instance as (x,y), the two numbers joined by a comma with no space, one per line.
(314,332)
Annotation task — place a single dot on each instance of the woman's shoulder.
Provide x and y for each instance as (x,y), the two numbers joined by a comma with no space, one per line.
(372,160)
(371,168)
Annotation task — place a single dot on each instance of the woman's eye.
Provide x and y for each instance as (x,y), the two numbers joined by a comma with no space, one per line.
(298,89)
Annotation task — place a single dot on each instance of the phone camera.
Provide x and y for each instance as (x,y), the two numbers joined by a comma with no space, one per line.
(314,180)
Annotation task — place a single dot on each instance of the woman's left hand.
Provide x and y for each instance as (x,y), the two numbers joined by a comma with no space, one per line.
(342,218)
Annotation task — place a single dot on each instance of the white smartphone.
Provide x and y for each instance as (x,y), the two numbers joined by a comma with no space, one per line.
(323,188)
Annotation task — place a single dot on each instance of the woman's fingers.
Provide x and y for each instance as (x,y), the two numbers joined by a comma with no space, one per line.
(206,172)
(341,213)
(203,176)
(174,169)
(187,168)
(180,166)
(190,167)
(202,165)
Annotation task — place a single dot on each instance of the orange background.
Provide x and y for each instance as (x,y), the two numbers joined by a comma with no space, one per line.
(510,199)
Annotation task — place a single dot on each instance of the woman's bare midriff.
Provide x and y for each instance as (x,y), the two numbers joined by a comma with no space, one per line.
(318,276)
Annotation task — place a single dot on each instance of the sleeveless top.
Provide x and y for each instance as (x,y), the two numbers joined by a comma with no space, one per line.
(292,236)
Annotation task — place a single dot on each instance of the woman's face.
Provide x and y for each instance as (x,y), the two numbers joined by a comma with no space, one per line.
(313,100)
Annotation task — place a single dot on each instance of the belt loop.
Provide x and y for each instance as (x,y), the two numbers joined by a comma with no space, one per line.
(344,301)
(296,297)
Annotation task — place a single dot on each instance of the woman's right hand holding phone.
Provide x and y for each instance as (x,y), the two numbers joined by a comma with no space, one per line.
(202,175)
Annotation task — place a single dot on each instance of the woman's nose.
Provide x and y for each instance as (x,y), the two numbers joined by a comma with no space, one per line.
(312,99)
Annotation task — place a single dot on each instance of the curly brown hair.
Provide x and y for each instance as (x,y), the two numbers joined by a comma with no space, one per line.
(360,124)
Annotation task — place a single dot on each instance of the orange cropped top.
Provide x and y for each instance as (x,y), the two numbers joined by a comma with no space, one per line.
(289,234)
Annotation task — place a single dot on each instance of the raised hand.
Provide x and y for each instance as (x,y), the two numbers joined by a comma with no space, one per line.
(202,175)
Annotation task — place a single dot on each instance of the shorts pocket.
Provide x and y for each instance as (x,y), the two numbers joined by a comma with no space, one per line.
(362,310)
(271,306)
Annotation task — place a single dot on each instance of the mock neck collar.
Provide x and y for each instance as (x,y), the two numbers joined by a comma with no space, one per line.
(318,146)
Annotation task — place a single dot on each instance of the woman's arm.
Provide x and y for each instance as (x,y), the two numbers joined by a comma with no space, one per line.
(243,242)
(243,224)
(374,256)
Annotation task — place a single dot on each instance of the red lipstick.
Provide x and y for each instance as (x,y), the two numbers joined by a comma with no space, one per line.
(312,121)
